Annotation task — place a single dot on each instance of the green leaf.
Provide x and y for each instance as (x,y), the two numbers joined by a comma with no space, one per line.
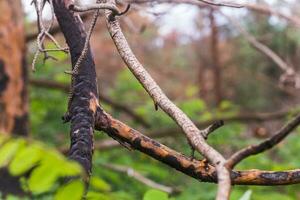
(12,197)
(155,195)
(25,160)
(66,167)
(73,190)
(8,151)
(97,196)
(99,184)
(246,195)
(42,178)
(69,168)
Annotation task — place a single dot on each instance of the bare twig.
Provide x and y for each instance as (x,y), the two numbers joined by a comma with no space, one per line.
(54,30)
(139,177)
(43,32)
(269,11)
(285,67)
(265,145)
(261,47)
(100,6)
(226,4)
(212,128)
(264,9)
(193,134)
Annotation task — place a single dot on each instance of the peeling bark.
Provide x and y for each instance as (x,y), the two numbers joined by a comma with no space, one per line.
(13,72)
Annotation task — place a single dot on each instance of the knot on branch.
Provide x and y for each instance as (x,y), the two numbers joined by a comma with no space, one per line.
(102,120)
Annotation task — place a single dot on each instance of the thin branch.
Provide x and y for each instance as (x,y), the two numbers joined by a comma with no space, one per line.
(226,4)
(265,145)
(269,11)
(211,128)
(139,177)
(261,47)
(44,32)
(99,6)
(285,67)
(85,8)
(193,134)
(54,30)
(198,169)
(264,9)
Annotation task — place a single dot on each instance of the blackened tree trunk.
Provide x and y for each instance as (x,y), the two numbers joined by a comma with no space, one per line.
(84,101)
(13,73)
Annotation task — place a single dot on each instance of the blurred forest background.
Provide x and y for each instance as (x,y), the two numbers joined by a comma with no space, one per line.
(204,63)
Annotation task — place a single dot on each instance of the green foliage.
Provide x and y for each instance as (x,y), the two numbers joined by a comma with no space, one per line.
(155,194)
(73,190)
(8,150)
(46,166)
(26,159)
(99,184)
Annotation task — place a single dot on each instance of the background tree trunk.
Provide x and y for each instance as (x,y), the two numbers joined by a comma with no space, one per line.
(13,73)
(215,58)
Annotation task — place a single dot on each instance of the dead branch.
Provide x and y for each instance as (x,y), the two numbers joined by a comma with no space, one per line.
(54,30)
(269,11)
(224,4)
(44,32)
(265,145)
(264,9)
(261,47)
(285,67)
(139,177)
(198,169)
(86,114)
(174,132)
(193,134)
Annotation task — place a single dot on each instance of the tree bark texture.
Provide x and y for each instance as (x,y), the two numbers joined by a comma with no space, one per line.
(84,101)
(13,72)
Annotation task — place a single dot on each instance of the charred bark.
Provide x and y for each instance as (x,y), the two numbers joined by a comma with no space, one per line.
(201,170)
(83,106)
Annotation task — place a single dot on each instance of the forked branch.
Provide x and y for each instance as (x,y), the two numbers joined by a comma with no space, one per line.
(198,169)
(193,134)
(265,145)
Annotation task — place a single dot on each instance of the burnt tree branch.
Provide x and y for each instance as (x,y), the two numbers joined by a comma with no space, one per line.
(198,169)
(83,105)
